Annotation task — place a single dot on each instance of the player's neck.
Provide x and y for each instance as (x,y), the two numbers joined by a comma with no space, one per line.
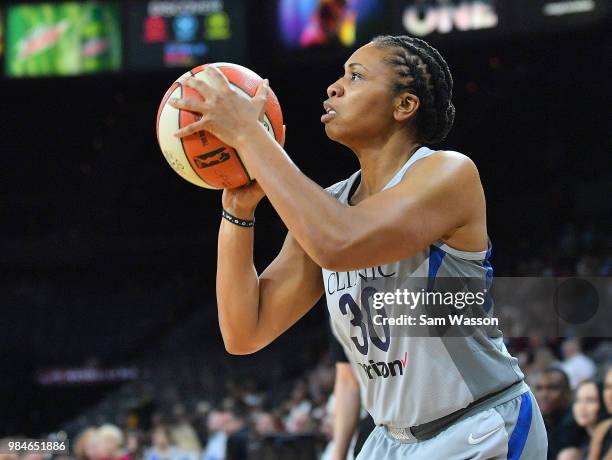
(380,164)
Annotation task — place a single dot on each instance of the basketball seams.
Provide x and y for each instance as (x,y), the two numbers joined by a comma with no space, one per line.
(244,168)
(265,115)
(184,151)
(171,147)
(234,85)
(221,176)
(163,105)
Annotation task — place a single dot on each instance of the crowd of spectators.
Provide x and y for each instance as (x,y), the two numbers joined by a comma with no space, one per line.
(245,423)
(573,390)
(250,419)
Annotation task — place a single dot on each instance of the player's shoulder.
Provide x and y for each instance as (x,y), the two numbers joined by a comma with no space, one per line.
(451,161)
(452,157)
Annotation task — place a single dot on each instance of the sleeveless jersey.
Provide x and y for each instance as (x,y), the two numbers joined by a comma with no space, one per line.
(409,380)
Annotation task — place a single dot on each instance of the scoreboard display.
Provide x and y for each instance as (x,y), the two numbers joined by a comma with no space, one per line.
(169,34)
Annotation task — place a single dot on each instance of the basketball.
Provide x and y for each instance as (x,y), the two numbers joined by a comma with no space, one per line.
(201,158)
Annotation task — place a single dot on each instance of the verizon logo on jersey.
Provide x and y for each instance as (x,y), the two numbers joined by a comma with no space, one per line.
(385,370)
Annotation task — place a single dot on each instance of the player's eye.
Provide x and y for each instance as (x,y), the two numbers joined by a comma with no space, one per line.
(355,76)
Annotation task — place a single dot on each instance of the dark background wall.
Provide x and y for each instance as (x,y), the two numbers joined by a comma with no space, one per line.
(105,249)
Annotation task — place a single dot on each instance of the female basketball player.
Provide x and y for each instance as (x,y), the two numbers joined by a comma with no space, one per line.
(410,211)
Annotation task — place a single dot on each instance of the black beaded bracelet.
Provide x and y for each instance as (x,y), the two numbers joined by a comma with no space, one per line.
(235,220)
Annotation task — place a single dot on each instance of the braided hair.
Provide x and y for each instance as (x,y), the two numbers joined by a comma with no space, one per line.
(424,72)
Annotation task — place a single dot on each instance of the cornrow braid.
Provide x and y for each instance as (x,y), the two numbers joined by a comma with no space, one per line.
(423,71)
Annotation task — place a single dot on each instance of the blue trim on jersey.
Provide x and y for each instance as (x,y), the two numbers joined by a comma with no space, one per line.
(518,438)
(435,261)
(488,299)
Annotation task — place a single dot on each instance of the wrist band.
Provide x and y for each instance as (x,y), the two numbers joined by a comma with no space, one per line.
(235,220)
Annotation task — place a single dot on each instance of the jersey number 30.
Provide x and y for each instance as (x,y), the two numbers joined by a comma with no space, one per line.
(367,330)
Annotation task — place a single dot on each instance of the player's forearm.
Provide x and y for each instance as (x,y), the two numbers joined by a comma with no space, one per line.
(314,218)
(346,417)
(237,286)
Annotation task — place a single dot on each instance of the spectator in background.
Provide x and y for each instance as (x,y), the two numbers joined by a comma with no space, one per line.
(588,412)
(576,365)
(156,420)
(601,443)
(267,424)
(85,447)
(301,423)
(607,390)
(111,442)
(554,395)
(133,444)
(4,448)
(237,434)
(321,384)
(93,446)
(299,407)
(201,411)
(183,433)
(162,448)
(541,358)
(217,437)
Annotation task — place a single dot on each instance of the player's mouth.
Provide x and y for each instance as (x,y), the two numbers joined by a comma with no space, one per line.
(329,114)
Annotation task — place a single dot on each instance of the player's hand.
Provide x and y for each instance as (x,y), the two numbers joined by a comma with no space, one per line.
(242,201)
(225,113)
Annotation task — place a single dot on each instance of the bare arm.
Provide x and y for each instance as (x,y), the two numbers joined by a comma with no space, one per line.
(439,196)
(255,310)
(346,411)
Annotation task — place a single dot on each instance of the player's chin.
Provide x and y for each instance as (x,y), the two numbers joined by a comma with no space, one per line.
(338,135)
(333,132)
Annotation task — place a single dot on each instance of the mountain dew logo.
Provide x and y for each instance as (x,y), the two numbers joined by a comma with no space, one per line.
(40,39)
(62,39)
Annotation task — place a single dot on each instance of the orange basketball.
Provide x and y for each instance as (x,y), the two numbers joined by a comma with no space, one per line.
(202,158)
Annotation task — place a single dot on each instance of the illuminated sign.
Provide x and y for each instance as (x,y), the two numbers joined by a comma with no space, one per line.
(62,39)
(438,20)
(184,33)
(568,7)
(423,19)
(329,23)
(558,15)
(1,33)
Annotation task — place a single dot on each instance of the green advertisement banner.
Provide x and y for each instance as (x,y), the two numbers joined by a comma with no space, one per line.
(62,39)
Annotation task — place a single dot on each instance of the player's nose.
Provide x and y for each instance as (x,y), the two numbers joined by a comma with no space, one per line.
(335,89)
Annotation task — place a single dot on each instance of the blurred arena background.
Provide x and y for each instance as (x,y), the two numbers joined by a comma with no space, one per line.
(108,257)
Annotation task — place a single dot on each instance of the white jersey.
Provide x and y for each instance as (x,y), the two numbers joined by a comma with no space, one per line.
(410,379)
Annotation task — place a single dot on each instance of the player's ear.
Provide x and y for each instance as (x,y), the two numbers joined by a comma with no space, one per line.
(405,106)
